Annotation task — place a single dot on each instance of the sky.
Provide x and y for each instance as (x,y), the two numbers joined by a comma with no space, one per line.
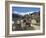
(24,10)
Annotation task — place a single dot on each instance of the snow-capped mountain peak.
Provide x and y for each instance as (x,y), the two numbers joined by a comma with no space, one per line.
(22,13)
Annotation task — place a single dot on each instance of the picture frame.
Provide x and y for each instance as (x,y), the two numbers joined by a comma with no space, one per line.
(9,5)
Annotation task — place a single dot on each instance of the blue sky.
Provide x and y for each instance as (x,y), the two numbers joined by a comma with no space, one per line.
(24,10)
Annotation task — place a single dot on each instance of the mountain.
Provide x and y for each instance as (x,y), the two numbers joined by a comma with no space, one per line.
(16,15)
(19,16)
(22,13)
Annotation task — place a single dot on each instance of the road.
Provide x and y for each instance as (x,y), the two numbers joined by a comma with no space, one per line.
(36,27)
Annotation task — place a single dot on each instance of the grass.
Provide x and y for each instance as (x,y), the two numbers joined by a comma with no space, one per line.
(29,28)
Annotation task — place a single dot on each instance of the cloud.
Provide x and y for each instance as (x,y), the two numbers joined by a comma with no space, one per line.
(22,13)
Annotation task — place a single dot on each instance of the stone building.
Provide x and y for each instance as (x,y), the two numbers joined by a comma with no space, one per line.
(26,22)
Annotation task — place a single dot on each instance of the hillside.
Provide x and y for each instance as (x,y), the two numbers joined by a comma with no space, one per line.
(26,21)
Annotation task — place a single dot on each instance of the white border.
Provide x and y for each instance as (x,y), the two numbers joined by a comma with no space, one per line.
(31,31)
